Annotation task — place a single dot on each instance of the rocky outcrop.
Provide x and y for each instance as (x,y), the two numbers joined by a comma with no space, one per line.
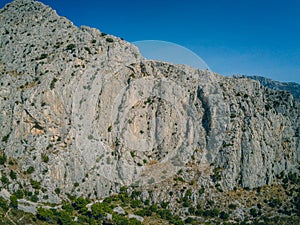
(83,113)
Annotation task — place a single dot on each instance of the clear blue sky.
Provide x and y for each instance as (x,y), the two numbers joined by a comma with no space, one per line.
(252,37)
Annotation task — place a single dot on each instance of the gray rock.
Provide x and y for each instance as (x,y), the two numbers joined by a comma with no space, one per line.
(139,218)
(27,206)
(82,107)
(5,194)
(109,216)
(119,210)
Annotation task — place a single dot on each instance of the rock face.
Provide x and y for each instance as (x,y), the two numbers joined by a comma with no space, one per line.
(83,113)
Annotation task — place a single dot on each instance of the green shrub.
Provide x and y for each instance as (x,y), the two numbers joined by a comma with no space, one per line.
(153,208)
(223,215)
(4,180)
(80,204)
(30,170)
(211,213)
(45,215)
(110,40)
(71,47)
(5,138)
(191,210)
(57,191)
(3,159)
(65,218)
(52,84)
(45,158)
(68,207)
(13,175)
(35,184)
(34,198)
(132,153)
(13,201)
(136,203)
(232,206)
(88,50)
(253,212)
(43,56)
(3,204)
(164,205)
(99,210)
(189,220)
(19,194)
(123,189)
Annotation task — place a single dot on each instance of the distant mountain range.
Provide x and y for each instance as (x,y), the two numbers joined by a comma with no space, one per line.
(291,87)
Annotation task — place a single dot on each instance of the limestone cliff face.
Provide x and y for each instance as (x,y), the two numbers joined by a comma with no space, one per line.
(91,115)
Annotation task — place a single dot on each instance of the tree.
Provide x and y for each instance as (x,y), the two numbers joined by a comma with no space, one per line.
(99,210)
(45,215)
(65,219)
(13,201)
(80,204)
(223,215)
(3,204)
(253,212)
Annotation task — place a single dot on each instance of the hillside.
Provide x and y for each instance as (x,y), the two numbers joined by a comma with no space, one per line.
(84,116)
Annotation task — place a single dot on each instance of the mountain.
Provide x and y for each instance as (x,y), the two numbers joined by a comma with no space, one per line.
(83,115)
(291,87)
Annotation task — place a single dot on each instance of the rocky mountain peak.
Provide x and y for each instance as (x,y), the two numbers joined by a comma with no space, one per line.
(82,112)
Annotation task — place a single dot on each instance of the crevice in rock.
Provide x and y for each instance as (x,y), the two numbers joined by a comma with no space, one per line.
(207,118)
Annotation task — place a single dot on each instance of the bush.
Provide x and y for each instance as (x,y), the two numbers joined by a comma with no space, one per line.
(45,215)
(189,220)
(43,56)
(99,210)
(88,50)
(35,184)
(153,208)
(211,213)
(13,201)
(110,40)
(52,84)
(80,204)
(19,194)
(5,138)
(13,175)
(3,204)
(57,191)
(136,203)
(2,158)
(71,47)
(223,215)
(68,207)
(253,212)
(192,210)
(4,180)
(45,158)
(34,198)
(232,206)
(30,170)
(65,218)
